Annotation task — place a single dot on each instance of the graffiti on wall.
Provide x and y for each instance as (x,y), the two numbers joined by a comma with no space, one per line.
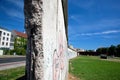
(58,59)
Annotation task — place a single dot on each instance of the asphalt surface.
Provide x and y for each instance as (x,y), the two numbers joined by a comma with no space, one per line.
(12,59)
(11,62)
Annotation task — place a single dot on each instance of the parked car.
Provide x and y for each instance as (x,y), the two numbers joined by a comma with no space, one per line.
(103,56)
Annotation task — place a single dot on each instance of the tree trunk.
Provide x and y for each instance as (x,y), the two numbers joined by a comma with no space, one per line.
(33,24)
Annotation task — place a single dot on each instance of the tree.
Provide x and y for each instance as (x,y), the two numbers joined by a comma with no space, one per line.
(103,50)
(99,51)
(112,50)
(90,51)
(118,50)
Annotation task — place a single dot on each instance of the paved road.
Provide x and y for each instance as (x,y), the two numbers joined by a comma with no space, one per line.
(12,59)
(11,62)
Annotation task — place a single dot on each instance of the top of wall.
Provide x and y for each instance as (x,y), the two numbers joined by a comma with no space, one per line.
(72,49)
(65,12)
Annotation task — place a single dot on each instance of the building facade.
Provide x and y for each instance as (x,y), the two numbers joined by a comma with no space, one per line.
(18,39)
(8,39)
(5,37)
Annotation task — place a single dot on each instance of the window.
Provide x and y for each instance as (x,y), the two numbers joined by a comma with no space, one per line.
(12,36)
(7,44)
(11,44)
(0,33)
(7,39)
(3,38)
(7,34)
(2,43)
(4,33)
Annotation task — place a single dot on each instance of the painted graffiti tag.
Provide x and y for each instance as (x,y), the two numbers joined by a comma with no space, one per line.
(58,60)
(55,66)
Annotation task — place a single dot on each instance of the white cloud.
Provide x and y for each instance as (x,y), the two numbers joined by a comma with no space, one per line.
(85,25)
(101,33)
(104,24)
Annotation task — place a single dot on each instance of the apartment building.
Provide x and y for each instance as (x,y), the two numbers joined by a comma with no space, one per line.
(18,39)
(5,37)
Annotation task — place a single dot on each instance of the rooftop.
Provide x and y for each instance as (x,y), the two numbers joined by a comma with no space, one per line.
(20,34)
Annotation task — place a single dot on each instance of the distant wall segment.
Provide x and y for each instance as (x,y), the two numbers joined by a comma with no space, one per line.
(71,53)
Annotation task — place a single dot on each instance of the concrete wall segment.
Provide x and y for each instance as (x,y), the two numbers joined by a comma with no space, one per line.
(54,41)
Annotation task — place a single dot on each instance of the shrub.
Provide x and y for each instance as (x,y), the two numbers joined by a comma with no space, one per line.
(12,52)
(20,51)
(6,51)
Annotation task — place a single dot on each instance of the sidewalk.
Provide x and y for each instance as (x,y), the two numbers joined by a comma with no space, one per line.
(5,66)
(10,56)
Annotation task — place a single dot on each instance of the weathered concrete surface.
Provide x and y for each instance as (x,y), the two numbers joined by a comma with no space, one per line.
(47,42)
(54,41)
(33,23)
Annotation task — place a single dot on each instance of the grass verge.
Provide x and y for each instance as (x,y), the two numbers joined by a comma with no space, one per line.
(92,68)
(12,74)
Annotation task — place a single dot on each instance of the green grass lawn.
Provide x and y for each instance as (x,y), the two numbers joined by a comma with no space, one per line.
(12,74)
(92,68)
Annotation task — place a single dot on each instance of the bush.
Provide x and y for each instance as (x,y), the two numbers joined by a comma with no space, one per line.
(23,51)
(6,51)
(20,51)
(12,52)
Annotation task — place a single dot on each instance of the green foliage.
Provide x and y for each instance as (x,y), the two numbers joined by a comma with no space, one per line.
(20,51)
(111,51)
(20,46)
(93,68)
(118,50)
(6,52)
(20,42)
(102,50)
(12,74)
(12,52)
(89,50)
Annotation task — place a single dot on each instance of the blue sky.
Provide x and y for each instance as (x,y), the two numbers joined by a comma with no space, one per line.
(11,14)
(92,23)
